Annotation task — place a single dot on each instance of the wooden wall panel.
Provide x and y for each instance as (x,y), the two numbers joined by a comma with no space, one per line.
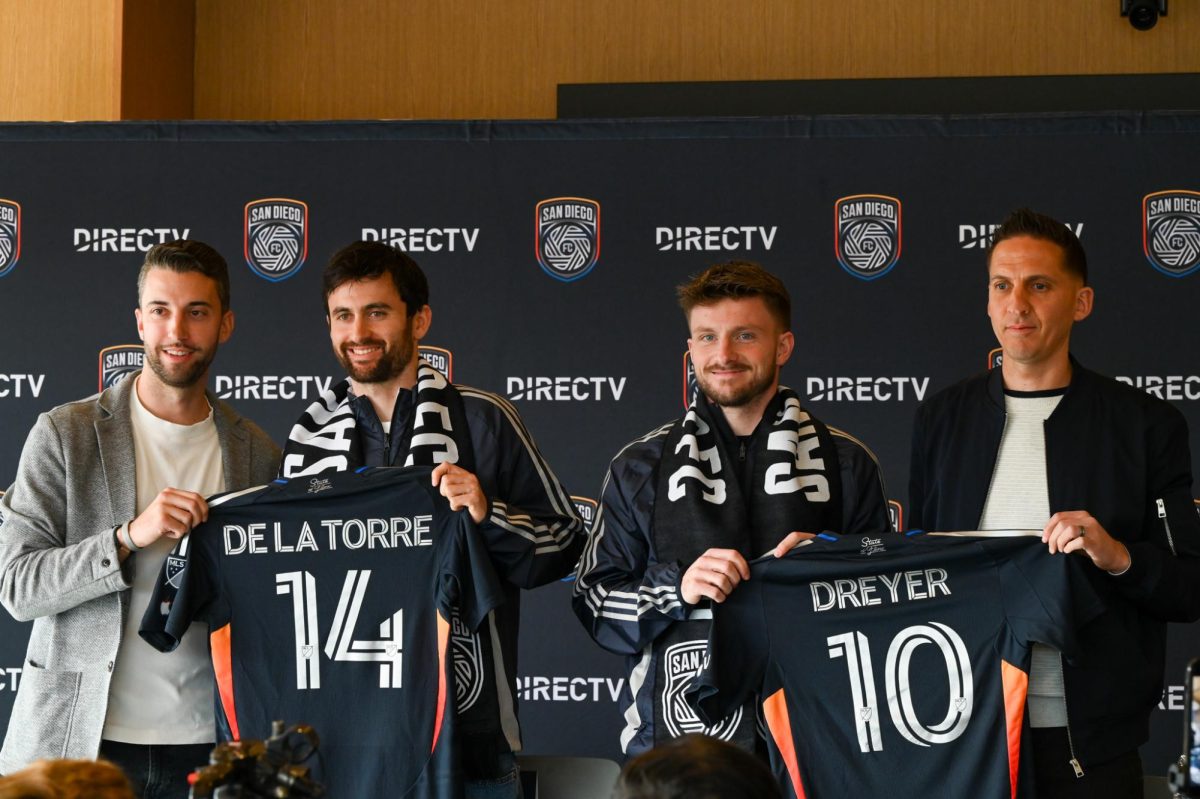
(59,59)
(157,59)
(314,59)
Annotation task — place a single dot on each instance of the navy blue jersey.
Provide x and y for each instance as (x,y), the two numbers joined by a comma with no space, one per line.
(331,601)
(890,666)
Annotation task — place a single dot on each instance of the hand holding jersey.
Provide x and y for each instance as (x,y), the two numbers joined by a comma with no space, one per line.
(1079,531)
(717,572)
(462,489)
(172,514)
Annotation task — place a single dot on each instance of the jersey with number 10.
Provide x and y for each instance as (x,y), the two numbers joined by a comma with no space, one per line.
(894,667)
(330,602)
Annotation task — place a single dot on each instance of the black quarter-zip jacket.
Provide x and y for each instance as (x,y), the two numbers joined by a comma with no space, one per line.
(1121,455)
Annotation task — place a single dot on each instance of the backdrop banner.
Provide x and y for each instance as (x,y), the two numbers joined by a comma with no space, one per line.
(553,250)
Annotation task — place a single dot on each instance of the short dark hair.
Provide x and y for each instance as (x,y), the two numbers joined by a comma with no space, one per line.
(367,260)
(1024,222)
(737,280)
(696,767)
(187,255)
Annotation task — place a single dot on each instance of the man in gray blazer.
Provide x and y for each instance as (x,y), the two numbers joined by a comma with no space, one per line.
(103,488)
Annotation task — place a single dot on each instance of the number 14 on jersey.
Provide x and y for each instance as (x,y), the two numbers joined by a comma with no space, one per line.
(341,643)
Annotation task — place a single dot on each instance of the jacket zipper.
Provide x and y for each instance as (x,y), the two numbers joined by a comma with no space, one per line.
(1074,761)
(1166,523)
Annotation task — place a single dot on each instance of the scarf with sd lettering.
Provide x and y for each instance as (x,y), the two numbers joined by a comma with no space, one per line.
(325,438)
(793,484)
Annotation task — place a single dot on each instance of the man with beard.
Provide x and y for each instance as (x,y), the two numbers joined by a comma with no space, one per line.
(745,472)
(394,409)
(104,487)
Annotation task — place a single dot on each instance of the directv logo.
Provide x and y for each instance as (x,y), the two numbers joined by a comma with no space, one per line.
(714,238)
(564,389)
(972,237)
(424,239)
(867,389)
(125,239)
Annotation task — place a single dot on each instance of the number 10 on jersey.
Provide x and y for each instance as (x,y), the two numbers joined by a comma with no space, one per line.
(341,643)
(855,647)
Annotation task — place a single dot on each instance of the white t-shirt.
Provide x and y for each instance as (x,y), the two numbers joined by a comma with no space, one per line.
(157,698)
(1018,499)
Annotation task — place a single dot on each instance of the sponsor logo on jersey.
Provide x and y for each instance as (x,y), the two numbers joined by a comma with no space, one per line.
(1171,231)
(896,515)
(425,239)
(468,663)
(995,358)
(541,688)
(318,484)
(691,386)
(271,387)
(867,234)
(10,235)
(439,358)
(568,236)
(683,661)
(175,567)
(584,506)
(1167,387)
(715,238)
(119,361)
(10,679)
(276,238)
(125,239)
(979,236)
(866,389)
(21,385)
(564,389)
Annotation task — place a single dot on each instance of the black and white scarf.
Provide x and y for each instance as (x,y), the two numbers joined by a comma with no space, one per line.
(325,438)
(794,484)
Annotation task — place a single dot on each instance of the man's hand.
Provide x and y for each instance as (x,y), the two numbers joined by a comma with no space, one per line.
(714,575)
(173,513)
(1077,530)
(789,542)
(462,489)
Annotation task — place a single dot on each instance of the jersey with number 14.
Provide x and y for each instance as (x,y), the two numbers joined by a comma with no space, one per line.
(892,666)
(330,601)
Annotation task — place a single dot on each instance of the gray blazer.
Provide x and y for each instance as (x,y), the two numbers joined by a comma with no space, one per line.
(59,567)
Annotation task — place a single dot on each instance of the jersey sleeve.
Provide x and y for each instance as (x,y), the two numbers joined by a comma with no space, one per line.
(736,658)
(468,580)
(1047,598)
(184,591)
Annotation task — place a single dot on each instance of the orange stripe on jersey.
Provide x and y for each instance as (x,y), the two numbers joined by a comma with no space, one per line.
(776,714)
(1016,685)
(222,658)
(443,630)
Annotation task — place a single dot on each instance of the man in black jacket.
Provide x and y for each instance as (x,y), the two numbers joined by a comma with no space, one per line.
(1103,470)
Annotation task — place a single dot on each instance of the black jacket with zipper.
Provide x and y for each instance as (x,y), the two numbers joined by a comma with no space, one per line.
(1121,455)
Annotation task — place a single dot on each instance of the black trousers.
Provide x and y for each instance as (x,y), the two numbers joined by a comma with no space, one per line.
(1054,778)
(157,771)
